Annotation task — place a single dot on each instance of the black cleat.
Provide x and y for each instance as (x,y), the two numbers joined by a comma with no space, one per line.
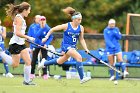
(29,83)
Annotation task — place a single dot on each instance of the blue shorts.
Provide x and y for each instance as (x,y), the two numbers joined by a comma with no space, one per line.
(65,47)
(111,52)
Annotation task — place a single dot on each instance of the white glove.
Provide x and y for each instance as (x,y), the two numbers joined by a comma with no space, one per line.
(31,38)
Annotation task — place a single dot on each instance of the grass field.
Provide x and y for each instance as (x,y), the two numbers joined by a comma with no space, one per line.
(14,85)
(95,85)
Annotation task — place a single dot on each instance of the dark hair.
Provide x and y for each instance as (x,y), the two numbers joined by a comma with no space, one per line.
(70,11)
(15,9)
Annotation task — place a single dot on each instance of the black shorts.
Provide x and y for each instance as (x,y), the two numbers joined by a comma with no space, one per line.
(16,49)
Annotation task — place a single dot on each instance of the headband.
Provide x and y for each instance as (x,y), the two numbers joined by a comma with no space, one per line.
(77,16)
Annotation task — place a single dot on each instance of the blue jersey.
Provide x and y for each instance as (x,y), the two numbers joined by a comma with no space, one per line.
(33,29)
(70,37)
(112,37)
(1,38)
(41,34)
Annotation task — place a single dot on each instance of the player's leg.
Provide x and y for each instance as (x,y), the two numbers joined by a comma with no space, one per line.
(7,72)
(33,62)
(111,62)
(59,60)
(44,55)
(79,65)
(5,57)
(27,67)
(122,64)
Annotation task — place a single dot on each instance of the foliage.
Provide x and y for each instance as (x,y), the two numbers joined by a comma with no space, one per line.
(96,13)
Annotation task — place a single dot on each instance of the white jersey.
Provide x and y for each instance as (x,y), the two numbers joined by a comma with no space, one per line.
(16,39)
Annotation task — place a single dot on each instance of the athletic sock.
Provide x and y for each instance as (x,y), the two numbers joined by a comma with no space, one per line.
(123,66)
(51,62)
(117,74)
(27,71)
(6,67)
(79,67)
(111,72)
(7,58)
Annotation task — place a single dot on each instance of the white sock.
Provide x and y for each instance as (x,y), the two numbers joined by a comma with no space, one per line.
(27,71)
(7,58)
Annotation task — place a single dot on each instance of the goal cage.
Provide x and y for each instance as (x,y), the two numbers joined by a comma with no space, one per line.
(132,28)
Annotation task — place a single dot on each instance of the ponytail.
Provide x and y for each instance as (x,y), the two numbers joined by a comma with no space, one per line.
(71,11)
(12,10)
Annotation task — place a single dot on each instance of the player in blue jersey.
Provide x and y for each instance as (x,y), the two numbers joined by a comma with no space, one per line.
(44,29)
(2,49)
(112,36)
(73,32)
(33,29)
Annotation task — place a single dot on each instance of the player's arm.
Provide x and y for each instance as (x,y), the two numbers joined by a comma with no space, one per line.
(82,40)
(18,23)
(56,28)
(118,34)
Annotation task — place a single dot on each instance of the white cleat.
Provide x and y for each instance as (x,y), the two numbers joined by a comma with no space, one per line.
(9,75)
(85,80)
(41,65)
(112,78)
(125,73)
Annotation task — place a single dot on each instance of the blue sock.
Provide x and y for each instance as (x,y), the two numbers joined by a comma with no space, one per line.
(117,74)
(123,66)
(111,72)
(6,67)
(79,66)
(50,62)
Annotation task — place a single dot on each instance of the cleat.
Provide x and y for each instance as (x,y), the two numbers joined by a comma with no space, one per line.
(112,78)
(9,75)
(28,83)
(32,76)
(45,76)
(41,65)
(125,73)
(84,80)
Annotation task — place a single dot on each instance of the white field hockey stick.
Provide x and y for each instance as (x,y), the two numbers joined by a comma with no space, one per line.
(113,68)
(59,54)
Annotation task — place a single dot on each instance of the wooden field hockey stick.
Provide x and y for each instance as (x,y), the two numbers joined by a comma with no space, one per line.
(56,53)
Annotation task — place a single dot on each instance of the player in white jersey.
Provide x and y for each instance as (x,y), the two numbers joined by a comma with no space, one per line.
(17,46)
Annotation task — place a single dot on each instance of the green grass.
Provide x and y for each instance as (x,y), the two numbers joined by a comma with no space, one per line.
(14,85)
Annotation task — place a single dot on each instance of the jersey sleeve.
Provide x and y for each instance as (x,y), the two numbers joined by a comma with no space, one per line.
(49,40)
(117,34)
(30,31)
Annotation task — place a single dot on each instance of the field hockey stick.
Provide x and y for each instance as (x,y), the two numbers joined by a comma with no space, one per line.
(59,54)
(113,68)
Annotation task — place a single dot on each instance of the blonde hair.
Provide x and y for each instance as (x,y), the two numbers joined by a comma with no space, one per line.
(12,10)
